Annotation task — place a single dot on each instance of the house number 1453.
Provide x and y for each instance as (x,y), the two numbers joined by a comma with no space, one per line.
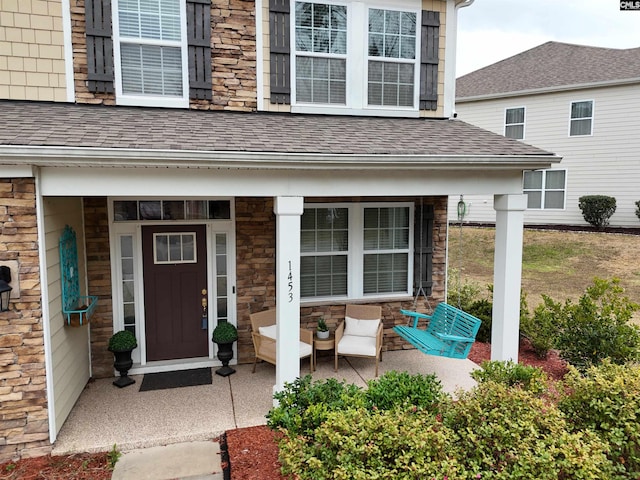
(290,278)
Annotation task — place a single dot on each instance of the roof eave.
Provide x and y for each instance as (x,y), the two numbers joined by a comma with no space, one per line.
(135,158)
(554,89)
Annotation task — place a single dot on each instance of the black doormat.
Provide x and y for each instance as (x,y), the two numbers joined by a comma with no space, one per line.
(181,378)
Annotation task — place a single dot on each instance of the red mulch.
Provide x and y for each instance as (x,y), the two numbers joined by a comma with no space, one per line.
(252,451)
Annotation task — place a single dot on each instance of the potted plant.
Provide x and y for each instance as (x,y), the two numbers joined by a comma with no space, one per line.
(224,335)
(122,344)
(322,330)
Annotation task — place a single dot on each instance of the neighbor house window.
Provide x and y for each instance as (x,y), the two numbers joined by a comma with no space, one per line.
(514,123)
(150,52)
(355,250)
(545,188)
(327,53)
(581,118)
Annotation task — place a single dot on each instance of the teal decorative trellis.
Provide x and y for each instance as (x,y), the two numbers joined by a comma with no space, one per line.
(74,306)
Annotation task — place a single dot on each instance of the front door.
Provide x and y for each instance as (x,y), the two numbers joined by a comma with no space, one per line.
(175,284)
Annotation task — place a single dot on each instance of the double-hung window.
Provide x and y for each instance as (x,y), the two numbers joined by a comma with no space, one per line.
(356,56)
(356,250)
(514,123)
(150,49)
(581,122)
(545,188)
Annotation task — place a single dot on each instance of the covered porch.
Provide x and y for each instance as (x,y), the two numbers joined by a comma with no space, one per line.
(105,415)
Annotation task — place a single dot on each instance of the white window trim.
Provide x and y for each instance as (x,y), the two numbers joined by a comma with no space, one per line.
(355,252)
(543,190)
(152,100)
(524,122)
(592,117)
(358,60)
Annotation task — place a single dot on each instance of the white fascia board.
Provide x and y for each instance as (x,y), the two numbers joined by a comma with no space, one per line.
(556,89)
(24,170)
(133,158)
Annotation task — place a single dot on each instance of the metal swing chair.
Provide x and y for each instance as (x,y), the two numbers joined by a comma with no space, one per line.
(449,331)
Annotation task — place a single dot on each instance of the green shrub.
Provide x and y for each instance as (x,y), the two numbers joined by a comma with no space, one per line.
(482,310)
(542,328)
(598,327)
(512,374)
(303,405)
(395,389)
(359,444)
(606,400)
(460,294)
(506,433)
(597,209)
(224,332)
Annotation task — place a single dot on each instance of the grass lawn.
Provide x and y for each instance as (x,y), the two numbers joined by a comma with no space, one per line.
(561,264)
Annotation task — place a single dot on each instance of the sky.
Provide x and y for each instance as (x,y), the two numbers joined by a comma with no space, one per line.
(492,30)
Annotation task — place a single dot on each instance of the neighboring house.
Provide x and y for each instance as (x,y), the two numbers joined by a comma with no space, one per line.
(241,155)
(582,103)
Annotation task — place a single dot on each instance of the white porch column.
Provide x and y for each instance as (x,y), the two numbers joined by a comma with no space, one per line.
(288,211)
(507,276)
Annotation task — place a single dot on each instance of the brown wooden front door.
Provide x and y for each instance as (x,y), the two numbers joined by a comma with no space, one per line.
(175,275)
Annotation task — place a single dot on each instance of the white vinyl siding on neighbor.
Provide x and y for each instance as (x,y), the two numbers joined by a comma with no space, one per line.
(514,123)
(69,345)
(604,163)
(150,52)
(356,250)
(581,122)
(355,56)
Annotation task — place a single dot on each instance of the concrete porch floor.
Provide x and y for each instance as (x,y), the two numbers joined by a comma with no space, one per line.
(105,415)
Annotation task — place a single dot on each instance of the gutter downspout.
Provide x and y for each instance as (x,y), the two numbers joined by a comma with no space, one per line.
(450,55)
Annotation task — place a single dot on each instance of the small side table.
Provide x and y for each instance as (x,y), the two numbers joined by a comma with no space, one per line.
(323,344)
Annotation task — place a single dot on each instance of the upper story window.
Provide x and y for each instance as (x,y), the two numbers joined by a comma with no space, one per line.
(545,188)
(150,52)
(153,53)
(514,123)
(355,56)
(581,122)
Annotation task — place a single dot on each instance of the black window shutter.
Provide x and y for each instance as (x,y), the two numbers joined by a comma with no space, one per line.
(280,60)
(199,41)
(99,46)
(423,250)
(429,60)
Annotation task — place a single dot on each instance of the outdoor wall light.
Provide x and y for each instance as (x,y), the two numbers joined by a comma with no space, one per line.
(5,288)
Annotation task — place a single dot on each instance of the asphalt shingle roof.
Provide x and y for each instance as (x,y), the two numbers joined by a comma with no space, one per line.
(549,65)
(88,126)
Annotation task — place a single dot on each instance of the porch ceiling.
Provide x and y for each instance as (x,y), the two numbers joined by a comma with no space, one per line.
(61,134)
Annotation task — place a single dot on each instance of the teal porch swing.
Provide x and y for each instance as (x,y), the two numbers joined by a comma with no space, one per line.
(449,331)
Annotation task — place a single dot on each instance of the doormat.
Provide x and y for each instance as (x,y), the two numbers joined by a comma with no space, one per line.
(181,378)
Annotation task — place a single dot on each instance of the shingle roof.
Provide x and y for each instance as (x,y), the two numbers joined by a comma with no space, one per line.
(549,65)
(88,126)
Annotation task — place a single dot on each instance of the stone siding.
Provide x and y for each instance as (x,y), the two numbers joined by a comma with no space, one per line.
(233,57)
(24,425)
(96,221)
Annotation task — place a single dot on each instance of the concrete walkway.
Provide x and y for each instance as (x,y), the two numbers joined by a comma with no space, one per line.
(136,422)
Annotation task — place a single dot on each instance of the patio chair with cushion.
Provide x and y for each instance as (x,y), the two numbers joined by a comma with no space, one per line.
(263,334)
(360,334)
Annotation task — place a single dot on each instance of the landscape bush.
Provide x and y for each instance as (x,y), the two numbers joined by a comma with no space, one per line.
(512,374)
(394,389)
(543,326)
(597,209)
(597,326)
(606,400)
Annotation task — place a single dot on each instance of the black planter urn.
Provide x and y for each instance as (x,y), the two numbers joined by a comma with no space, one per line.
(225,354)
(122,364)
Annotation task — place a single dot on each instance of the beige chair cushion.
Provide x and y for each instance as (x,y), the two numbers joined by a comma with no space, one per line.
(360,328)
(358,345)
(270,332)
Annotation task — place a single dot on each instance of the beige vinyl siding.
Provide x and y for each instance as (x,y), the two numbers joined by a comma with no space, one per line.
(605,163)
(31,50)
(69,345)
